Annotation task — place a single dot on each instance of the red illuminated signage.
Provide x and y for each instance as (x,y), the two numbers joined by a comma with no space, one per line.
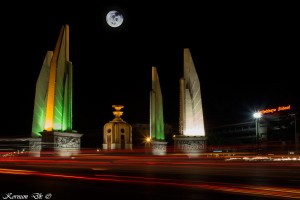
(272,110)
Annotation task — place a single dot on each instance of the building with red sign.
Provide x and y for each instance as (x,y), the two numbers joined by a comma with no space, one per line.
(275,131)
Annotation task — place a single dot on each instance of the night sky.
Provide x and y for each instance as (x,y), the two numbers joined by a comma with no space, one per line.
(245,55)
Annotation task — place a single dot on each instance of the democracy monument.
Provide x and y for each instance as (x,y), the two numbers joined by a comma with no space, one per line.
(52,114)
(157,134)
(191,137)
(117,134)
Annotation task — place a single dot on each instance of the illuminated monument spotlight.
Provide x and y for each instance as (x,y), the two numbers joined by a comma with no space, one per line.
(52,115)
(191,136)
(157,134)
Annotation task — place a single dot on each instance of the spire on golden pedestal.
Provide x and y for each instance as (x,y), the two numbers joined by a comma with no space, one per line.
(118,113)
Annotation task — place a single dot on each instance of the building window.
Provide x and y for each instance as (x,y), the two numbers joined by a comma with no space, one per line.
(109,130)
(122,130)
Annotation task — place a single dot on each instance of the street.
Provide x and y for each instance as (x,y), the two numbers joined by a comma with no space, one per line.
(138,175)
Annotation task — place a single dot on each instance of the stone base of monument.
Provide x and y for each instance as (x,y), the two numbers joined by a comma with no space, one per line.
(35,147)
(60,143)
(190,145)
(159,147)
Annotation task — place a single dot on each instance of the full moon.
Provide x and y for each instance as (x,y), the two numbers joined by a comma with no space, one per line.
(114,18)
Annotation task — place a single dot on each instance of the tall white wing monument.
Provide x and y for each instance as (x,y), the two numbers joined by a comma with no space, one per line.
(191,137)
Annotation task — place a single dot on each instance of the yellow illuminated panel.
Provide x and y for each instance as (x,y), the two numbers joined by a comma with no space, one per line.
(51,86)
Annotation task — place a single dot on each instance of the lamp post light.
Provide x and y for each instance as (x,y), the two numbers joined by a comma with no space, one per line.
(147,141)
(296,136)
(257,116)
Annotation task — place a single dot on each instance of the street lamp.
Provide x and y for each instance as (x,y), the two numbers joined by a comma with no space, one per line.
(148,139)
(295,133)
(257,116)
